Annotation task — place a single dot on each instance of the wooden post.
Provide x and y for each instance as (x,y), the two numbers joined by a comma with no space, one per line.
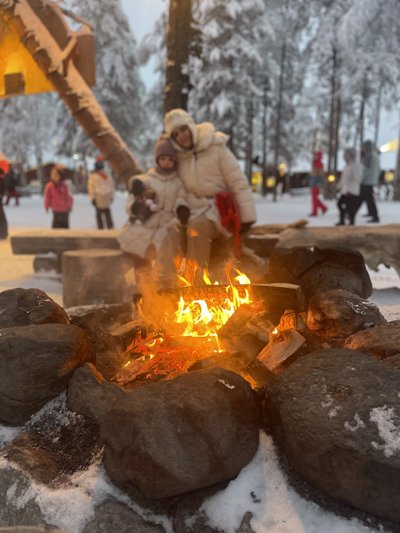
(179,36)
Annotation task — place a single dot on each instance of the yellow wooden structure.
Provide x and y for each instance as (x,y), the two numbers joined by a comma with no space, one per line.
(19,72)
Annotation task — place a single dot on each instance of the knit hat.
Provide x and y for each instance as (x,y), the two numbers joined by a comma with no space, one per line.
(164,147)
(176,118)
(99,164)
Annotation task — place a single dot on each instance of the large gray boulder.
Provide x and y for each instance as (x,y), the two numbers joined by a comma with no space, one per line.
(320,269)
(381,342)
(36,363)
(177,436)
(23,307)
(335,315)
(335,415)
(90,395)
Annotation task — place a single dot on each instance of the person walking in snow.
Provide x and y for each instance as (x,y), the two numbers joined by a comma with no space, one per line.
(4,167)
(101,190)
(316,182)
(349,186)
(370,179)
(219,196)
(155,200)
(11,186)
(58,198)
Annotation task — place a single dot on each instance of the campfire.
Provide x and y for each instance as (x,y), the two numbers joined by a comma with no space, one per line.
(201,323)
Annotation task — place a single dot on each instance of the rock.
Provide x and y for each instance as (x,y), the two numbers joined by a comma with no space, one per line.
(378,243)
(320,269)
(36,363)
(177,436)
(112,516)
(90,395)
(393,361)
(97,321)
(14,488)
(24,307)
(335,415)
(334,315)
(381,342)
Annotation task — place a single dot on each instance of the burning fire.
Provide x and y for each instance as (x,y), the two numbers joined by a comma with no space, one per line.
(190,333)
(203,318)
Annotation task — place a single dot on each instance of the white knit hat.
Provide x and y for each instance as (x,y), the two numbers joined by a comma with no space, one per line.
(176,118)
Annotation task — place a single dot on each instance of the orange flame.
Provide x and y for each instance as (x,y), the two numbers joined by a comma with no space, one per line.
(203,318)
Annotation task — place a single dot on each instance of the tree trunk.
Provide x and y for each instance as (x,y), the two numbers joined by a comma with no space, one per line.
(396,192)
(334,123)
(279,116)
(360,124)
(378,113)
(264,138)
(179,36)
(69,84)
(249,141)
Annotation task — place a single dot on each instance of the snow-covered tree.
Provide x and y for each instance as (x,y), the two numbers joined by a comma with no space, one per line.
(222,78)
(118,88)
(27,128)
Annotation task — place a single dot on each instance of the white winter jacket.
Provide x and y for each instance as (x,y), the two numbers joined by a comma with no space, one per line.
(350,179)
(209,168)
(136,238)
(101,189)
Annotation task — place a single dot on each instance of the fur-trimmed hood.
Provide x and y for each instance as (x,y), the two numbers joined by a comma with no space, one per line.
(203,134)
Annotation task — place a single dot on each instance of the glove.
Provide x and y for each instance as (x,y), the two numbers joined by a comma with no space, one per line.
(183,214)
(137,187)
(245,226)
(94,202)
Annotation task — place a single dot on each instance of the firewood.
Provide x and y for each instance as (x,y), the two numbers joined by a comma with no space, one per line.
(280,348)
(277,228)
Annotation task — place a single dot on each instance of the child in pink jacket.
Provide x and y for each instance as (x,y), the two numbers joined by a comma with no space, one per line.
(58,198)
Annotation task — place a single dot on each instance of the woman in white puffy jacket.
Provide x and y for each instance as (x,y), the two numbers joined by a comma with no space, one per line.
(206,167)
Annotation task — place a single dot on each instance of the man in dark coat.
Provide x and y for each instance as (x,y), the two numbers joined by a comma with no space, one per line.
(11,182)
(3,220)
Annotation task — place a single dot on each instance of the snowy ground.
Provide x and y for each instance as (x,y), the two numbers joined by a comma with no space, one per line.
(277,508)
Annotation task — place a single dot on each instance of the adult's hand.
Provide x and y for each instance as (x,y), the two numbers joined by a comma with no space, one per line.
(183,214)
(245,226)
(94,202)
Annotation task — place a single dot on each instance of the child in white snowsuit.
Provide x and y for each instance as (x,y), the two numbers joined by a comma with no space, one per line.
(154,198)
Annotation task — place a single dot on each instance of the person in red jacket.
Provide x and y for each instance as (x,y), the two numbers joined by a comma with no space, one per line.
(58,198)
(316,182)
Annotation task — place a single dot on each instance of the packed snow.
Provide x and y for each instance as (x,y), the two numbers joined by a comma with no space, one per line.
(262,487)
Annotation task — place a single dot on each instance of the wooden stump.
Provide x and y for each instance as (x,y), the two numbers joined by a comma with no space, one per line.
(95,276)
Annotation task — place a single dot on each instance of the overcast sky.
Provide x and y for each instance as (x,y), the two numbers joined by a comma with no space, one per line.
(143,14)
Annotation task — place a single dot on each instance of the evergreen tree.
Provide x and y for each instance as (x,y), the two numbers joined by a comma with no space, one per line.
(27,128)
(118,88)
(222,77)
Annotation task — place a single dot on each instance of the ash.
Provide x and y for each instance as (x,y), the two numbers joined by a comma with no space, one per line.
(71,439)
